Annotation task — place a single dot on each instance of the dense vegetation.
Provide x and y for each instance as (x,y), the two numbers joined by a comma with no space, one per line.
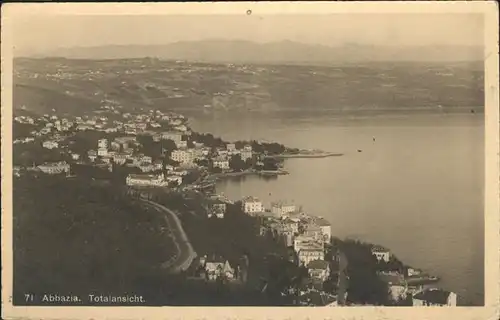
(365,287)
(72,237)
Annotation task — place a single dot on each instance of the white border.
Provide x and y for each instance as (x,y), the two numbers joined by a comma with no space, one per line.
(492,174)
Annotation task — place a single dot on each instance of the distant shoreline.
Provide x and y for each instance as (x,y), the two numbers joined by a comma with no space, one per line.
(307,154)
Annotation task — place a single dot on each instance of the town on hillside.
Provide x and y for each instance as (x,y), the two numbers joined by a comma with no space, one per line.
(154,157)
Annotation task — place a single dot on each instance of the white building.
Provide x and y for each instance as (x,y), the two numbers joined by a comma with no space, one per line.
(252,205)
(246,154)
(181,144)
(50,144)
(54,167)
(282,208)
(102,144)
(231,147)
(102,152)
(306,242)
(217,208)
(326,228)
(434,297)
(307,255)
(182,156)
(221,162)
(381,253)
(174,178)
(172,135)
(398,288)
(92,154)
(146,180)
(120,158)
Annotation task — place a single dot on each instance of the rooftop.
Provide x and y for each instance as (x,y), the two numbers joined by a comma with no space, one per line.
(318,264)
(142,176)
(251,199)
(377,248)
(322,222)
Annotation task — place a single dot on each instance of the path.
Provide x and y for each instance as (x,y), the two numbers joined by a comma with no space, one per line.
(185,252)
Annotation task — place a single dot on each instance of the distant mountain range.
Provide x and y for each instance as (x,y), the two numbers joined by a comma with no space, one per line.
(276,52)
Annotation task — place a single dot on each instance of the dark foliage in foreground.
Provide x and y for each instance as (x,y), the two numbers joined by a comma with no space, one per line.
(365,287)
(73,237)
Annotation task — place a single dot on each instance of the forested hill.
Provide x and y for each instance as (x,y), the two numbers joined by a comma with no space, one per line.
(44,84)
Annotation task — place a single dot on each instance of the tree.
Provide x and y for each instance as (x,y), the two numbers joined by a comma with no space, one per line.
(236,163)
(167,147)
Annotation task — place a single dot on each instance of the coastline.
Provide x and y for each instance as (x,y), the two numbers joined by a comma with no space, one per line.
(220,176)
(306,155)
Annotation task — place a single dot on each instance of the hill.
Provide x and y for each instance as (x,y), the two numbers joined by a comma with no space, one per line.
(274,52)
(74,238)
(75,86)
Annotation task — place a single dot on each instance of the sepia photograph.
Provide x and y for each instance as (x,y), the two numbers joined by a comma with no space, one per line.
(250,155)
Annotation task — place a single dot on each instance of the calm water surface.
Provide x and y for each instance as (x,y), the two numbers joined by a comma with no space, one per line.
(418,189)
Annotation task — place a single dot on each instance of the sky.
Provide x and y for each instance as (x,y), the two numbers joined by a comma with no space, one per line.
(40,34)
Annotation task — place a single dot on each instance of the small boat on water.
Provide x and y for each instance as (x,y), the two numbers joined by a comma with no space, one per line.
(359,150)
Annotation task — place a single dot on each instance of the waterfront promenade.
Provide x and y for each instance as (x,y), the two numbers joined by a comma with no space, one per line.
(185,252)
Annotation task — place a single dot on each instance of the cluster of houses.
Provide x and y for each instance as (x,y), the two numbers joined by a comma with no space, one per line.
(413,283)
(124,150)
(213,267)
(307,234)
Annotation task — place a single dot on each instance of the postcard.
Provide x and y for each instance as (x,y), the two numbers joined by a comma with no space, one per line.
(250,160)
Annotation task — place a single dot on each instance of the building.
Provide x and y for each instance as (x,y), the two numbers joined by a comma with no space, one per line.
(172,135)
(54,167)
(221,162)
(434,297)
(294,225)
(92,154)
(216,268)
(75,156)
(252,206)
(146,159)
(158,164)
(50,144)
(101,152)
(146,167)
(115,146)
(381,253)
(120,158)
(145,180)
(326,228)
(231,147)
(181,144)
(182,156)
(217,208)
(281,208)
(314,231)
(174,179)
(102,143)
(319,269)
(312,253)
(398,288)
(246,154)
(125,142)
(305,241)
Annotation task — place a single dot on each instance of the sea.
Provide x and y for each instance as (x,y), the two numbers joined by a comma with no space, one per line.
(413,182)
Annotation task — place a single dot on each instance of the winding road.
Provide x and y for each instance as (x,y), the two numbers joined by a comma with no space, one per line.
(185,252)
